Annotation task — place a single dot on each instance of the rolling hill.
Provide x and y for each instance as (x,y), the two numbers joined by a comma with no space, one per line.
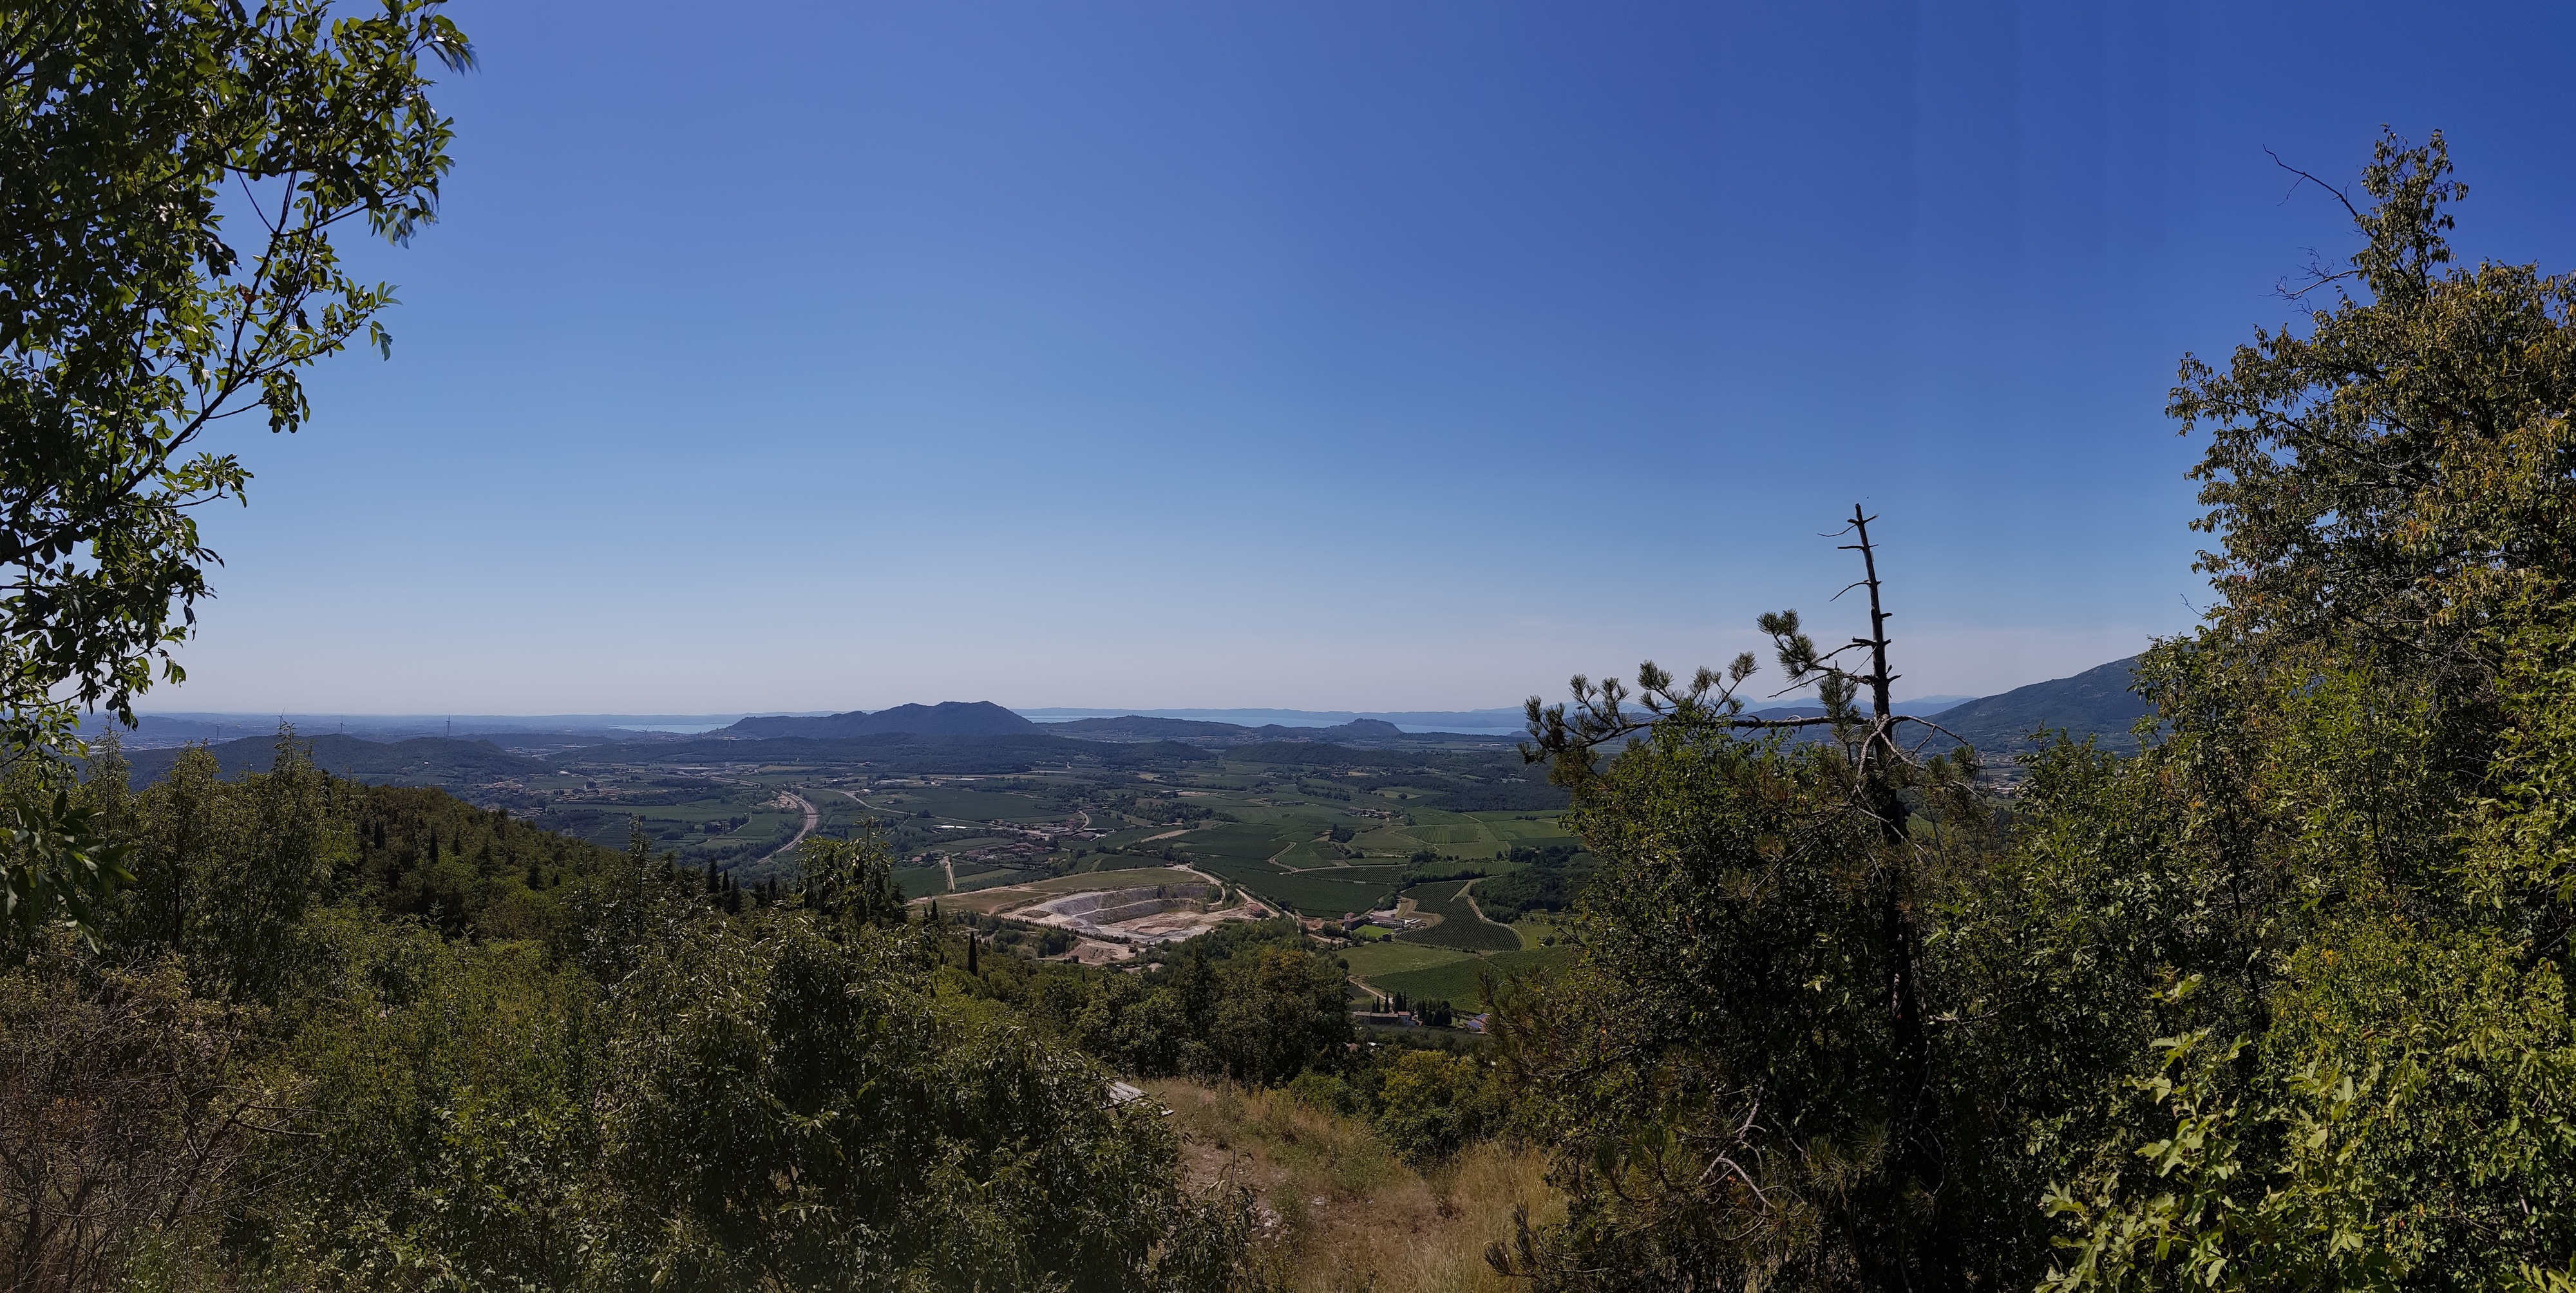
(420,761)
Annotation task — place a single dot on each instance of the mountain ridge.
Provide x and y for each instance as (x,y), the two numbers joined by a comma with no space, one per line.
(2095,703)
(947,718)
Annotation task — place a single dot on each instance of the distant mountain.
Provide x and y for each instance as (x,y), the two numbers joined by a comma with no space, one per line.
(947,718)
(421,761)
(1137,727)
(2096,703)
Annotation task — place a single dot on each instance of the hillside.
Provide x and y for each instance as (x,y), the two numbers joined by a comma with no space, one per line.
(421,761)
(2096,703)
(947,718)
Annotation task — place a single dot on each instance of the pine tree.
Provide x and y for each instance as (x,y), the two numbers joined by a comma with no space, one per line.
(1746,857)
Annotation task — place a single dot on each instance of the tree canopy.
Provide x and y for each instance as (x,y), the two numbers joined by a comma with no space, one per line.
(177,174)
(2280,1002)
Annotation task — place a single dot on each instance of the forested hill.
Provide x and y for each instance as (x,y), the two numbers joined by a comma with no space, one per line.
(947,718)
(2096,703)
(421,761)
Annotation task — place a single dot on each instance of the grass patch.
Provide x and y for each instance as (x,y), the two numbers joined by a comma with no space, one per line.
(1373,959)
(1352,1215)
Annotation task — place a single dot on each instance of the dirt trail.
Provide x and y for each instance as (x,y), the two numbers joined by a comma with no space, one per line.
(1468,892)
(1372,989)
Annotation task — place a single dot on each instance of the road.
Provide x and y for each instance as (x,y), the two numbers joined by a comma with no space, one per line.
(813,818)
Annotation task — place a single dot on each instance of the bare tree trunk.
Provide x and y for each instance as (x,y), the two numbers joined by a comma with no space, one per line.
(1910,1094)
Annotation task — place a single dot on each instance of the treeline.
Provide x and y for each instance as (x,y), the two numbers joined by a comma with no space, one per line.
(343,1036)
(1547,879)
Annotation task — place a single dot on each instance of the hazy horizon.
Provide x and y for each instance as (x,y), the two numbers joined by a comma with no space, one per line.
(1250,716)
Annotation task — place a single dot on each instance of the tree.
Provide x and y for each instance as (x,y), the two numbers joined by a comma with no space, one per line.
(851,880)
(176,174)
(2280,1002)
(1430,1103)
(2359,1064)
(1761,940)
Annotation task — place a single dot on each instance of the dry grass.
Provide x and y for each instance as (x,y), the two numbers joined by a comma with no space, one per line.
(1343,1213)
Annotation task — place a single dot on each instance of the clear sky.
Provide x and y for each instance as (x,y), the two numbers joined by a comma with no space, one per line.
(1320,354)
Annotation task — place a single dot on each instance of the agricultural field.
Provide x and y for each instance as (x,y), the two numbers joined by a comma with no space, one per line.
(991,901)
(1456,980)
(1459,928)
(1307,828)
(1371,960)
(1317,829)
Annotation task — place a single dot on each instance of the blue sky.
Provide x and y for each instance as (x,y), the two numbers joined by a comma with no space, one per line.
(1325,355)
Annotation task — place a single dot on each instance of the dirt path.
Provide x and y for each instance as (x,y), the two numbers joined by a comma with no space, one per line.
(1468,892)
(1239,887)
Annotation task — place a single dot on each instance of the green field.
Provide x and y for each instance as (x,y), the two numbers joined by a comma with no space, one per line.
(1116,862)
(1373,959)
(1460,927)
(921,881)
(1309,893)
(959,804)
(1235,842)
(1282,825)
(1456,982)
